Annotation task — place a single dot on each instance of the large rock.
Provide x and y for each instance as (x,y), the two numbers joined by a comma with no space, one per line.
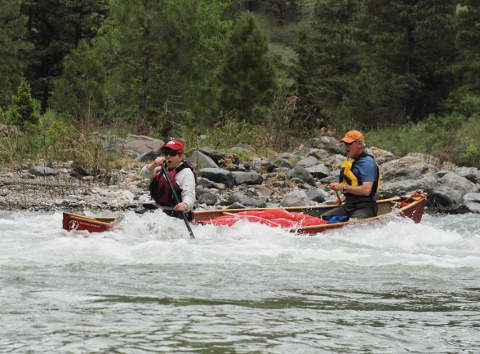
(303,174)
(141,144)
(201,160)
(218,175)
(453,181)
(308,161)
(401,186)
(445,199)
(250,177)
(470,173)
(317,195)
(43,171)
(407,167)
(244,200)
(222,159)
(472,202)
(381,156)
(319,171)
(262,165)
(207,197)
(295,198)
(328,143)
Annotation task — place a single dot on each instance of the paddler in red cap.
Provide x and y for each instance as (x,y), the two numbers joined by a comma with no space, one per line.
(359,180)
(180,174)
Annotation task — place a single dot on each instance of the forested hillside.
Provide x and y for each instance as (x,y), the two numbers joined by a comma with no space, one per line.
(269,72)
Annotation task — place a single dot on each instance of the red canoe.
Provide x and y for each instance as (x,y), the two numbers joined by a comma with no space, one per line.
(302,219)
(411,206)
(89,223)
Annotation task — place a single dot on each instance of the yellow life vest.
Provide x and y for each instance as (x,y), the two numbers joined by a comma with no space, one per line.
(348,177)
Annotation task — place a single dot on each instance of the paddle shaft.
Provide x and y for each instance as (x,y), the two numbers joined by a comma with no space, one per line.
(177,200)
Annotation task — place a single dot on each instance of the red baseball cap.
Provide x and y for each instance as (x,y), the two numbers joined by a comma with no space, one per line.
(351,136)
(176,145)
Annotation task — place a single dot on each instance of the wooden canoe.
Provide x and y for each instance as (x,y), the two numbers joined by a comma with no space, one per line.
(411,206)
(89,223)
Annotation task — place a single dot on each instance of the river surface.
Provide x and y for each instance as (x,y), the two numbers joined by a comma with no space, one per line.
(147,287)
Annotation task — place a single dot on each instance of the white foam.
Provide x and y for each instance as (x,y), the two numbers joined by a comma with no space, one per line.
(155,238)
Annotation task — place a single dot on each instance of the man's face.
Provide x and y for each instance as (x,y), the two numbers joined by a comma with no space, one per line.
(173,157)
(354,149)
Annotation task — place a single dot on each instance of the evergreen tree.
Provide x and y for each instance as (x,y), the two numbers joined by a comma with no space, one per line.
(467,67)
(247,77)
(55,27)
(327,59)
(149,61)
(22,110)
(12,48)
(408,46)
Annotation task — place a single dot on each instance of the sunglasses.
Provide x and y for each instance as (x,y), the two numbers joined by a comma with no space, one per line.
(353,142)
(171,152)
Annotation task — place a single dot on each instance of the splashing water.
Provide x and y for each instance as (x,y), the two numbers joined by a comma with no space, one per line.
(147,286)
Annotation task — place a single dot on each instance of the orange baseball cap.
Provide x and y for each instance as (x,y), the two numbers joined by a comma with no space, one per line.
(351,136)
(176,145)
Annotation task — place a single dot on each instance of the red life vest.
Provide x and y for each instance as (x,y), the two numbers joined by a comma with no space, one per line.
(160,189)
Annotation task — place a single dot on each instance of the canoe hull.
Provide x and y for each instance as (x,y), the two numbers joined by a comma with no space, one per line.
(78,222)
(411,206)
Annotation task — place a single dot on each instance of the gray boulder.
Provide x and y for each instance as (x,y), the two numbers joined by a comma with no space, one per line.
(470,173)
(222,159)
(445,199)
(407,167)
(381,156)
(401,186)
(261,165)
(295,198)
(308,161)
(317,195)
(250,177)
(472,202)
(319,171)
(301,173)
(201,160)
(283,163)
(141,144)
(241,198)
(218,175)
(328,143)
(207,197)
(43,171)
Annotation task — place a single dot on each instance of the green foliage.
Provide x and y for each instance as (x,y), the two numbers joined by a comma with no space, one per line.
(327,60)
(12,48)
(231,131)
(247,77)
(80,91)
(451,137)
(22,110)
(55,27)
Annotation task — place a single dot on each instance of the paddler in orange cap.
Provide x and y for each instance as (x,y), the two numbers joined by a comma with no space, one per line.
(358,181)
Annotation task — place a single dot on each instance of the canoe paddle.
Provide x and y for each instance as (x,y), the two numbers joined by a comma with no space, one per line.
(165,174)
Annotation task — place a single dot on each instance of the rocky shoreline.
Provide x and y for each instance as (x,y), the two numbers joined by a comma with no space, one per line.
(287,179)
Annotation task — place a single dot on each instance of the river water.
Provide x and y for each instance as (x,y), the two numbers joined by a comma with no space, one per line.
(147,287)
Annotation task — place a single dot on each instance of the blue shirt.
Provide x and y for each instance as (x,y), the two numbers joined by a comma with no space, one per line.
(365,168)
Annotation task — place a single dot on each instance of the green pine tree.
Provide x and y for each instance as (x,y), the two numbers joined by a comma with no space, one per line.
(55,27)
(13,48)
(327,59)
(22,110)
(247,77)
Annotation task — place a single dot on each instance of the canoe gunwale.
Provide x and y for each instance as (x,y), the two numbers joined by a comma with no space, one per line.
(392,203)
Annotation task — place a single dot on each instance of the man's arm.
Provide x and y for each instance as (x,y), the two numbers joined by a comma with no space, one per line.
(186,181)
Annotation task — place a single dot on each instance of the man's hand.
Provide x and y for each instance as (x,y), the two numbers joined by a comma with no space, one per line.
(336,186)
(157,162)
(181,206)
